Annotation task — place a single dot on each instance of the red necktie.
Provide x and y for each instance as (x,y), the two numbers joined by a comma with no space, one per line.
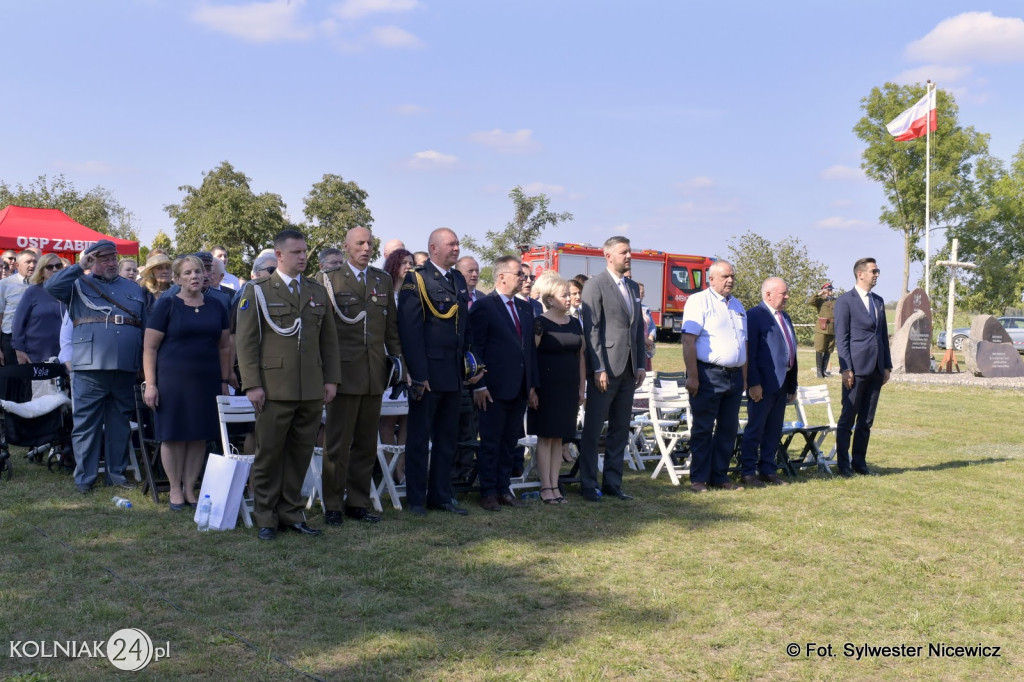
(515,316)
(789,339)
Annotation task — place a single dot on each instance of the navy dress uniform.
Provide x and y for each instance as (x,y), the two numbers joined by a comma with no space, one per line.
(109,316)
(366,321)
(289,348)
(433,318)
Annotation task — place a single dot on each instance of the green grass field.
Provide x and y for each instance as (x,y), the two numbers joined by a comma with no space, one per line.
(670,586)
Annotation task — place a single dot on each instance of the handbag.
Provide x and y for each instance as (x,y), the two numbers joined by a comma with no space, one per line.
(224,481)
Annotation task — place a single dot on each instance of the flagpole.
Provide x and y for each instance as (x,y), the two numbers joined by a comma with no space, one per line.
(928,195)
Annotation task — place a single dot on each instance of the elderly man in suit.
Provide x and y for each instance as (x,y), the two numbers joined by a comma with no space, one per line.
(613,330)
(109,315)
(771,383)
(862,343)
(433,318)
(363,301)
(502,338)
(289,363)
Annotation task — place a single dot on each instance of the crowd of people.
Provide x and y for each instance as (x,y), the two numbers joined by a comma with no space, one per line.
(478,370)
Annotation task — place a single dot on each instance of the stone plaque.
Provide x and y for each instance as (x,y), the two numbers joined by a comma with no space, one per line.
(912,343)
(988,328)
(911,346)
(988,359)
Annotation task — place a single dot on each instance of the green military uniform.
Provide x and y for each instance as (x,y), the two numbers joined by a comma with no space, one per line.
(291,365)
(353,418)
(824,330)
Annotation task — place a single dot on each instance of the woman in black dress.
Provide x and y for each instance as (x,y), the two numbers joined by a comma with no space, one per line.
(186,357)
(559,339)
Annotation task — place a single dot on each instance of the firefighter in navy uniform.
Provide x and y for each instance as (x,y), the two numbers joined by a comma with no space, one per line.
(433,317)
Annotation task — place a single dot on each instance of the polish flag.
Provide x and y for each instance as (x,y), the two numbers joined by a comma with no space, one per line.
(916,121)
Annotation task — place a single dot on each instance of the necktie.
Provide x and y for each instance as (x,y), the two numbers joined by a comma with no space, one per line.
(293,286)
(789,339)
(625,295)
(515,316)
(362,281)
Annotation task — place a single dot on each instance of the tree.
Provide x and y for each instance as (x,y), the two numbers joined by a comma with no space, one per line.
(531,216)
(332,208)
(993,238)
(161,240)
(225,210)
(96,209)
(756,258)
(900,166)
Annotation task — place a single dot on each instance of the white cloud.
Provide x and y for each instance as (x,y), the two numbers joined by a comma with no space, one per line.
(535,188)
(392,36)
(431,159)
(946,76)
(410,110)
(843,173)
(257,22)
(356,9)
(519,142)
(696,183)
(837,223)
(971,36)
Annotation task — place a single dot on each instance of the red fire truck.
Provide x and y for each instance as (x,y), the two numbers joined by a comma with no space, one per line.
(668,278)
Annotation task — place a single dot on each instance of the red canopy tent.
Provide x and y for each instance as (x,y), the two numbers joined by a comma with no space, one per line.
(51,230)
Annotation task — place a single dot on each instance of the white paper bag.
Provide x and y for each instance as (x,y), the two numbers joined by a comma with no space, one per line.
(224,481)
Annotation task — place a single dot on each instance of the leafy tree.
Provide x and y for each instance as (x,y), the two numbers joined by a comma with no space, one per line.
(96,209)
(993,238)
(531,216)
(900,166)
(162,241)
(225,210)
(757,258)
(332,208)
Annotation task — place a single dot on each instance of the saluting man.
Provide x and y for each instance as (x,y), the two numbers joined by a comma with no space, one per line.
(367,327)
(288,359)
(109,315)
(824,329)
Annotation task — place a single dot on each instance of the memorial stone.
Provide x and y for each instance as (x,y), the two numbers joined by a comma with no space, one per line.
(989,352)
(911,346)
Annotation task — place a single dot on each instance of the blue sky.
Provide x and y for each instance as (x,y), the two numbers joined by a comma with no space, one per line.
(679,124)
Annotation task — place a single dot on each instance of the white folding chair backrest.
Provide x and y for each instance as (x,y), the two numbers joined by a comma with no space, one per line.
(233,409)
(814,395)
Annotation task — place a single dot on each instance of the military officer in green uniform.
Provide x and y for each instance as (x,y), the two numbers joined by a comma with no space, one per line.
(367,325)
(288,359)
(824,328)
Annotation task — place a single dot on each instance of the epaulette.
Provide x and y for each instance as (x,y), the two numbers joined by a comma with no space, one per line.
(408,286)
(310,280)
(259,280)
(377,270)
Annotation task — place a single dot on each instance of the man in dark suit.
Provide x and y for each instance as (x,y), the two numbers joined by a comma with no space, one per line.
(862,343)
(464,465)
(614,335)
(433,318)
(771,383)
(288,359)
(366,320)
(502,339)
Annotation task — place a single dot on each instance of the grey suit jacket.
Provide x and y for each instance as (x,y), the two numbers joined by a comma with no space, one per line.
(614,335)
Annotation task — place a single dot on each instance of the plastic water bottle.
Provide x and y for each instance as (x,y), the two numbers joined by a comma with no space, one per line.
(121,502)
(204,514)
(530,495)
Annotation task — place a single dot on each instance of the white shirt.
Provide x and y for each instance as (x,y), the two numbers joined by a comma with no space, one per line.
(720,327)
(230,281)
(356,271)
(865,298)
(508,308)
(11,290)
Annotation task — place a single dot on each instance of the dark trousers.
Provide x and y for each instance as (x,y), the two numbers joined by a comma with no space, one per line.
(858,415)
(616,406)
(500,427)
(429,447)
(285,436)
(715,420)
(103,401)
(762,433)
(464,461)
(350,449)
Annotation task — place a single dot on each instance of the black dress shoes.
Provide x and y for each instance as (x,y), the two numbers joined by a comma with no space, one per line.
(590,494)
(300,527)
(333,518)
(752,481)
(448,507)
(845,473)
(770,479)
(360,514)
(417,510)
(509,500)
(266,534)
(490,503)
(615,491)
(699,487)
(726,485)
(864,472)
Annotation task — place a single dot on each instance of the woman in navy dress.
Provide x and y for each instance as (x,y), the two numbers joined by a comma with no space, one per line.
(559,339)
(185,357)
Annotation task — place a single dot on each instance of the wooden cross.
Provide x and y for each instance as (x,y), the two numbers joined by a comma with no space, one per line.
(948,360)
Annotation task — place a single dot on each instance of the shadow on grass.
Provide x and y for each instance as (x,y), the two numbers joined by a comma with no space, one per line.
(942,466)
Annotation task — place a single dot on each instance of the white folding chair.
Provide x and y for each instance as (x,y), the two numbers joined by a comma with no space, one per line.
(529,461)
(807,396)
(387,468)
(669,416)
(236,409)
(640,448)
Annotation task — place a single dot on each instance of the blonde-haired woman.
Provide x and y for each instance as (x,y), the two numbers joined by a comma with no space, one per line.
(155,277)
(559,339)
(186,359)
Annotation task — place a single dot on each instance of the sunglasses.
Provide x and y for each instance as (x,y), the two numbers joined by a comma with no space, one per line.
(54,266)
(269,270)
(876,271)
